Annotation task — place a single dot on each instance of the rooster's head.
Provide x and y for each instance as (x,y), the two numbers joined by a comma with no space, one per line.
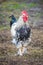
(24,16)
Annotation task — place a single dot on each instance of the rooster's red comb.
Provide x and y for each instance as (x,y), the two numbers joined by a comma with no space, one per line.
(24,13)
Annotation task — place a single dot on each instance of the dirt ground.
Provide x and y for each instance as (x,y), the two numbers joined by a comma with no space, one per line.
(8,50)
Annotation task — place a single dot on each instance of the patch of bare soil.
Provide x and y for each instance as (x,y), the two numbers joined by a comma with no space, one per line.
(8,50)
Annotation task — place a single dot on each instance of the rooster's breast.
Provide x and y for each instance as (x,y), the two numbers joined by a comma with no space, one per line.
(24,33)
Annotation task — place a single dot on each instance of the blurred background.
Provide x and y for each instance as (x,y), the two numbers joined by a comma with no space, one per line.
(35,48)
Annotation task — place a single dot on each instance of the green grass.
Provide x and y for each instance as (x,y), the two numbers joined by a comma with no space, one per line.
(4,27)
(31,5)
(14,5)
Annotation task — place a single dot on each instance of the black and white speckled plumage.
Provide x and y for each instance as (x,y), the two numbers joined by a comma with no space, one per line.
(20,32)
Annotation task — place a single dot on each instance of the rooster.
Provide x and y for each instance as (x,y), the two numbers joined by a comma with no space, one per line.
(21,32)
